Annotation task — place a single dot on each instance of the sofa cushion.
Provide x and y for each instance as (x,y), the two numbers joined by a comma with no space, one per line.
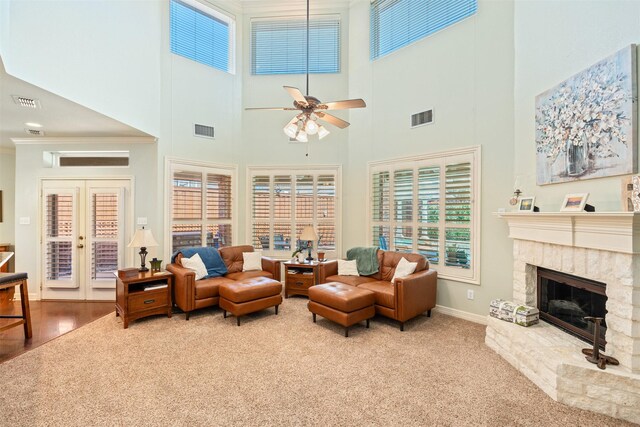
(241,275)
(232,257)
(349,280)
(347,268)
(251,261)
(208,288)
(384,292)
(196,265)
(403,269)
(391,259)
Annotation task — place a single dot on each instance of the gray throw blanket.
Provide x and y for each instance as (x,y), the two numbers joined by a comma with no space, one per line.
(366,259)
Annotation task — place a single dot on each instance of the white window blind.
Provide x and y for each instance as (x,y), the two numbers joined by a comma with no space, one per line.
(283,202)
(278,45)
(201,207)
(397,23)
(434,211)
(201,34)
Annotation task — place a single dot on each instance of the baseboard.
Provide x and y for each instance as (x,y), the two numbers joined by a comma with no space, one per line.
(476,318)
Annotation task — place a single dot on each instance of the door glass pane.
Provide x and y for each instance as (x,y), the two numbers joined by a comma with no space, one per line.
(104,230)
(59,261)
(186,235)
(59,225)
(59,215)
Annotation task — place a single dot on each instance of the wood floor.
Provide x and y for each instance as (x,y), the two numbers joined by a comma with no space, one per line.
(49,319)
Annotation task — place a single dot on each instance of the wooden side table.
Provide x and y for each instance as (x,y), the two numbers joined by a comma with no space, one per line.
(142,294)
(299,277)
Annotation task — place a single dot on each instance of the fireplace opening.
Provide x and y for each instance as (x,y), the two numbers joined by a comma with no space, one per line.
(565,300)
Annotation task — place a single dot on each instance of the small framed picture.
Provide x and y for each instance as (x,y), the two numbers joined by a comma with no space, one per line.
(526,204)
(574,202)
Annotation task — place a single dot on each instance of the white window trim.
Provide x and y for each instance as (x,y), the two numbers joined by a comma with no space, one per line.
(293,170)
(172,163)
(225,17)
(410,162)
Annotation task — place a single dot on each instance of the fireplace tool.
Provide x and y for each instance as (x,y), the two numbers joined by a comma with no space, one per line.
(594,355)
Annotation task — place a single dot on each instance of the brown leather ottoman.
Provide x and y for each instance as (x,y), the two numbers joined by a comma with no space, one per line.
(344,304)
(249,295)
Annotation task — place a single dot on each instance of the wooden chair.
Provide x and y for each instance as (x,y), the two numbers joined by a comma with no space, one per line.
(8,280)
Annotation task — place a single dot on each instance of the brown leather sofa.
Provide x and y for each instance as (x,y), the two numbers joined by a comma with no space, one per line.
(409,297)
(190,294)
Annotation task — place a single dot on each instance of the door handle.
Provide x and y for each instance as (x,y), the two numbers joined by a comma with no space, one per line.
(80,246)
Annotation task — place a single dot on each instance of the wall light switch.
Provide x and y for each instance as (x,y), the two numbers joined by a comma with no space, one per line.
(469,293)
(25,220)
(142,220)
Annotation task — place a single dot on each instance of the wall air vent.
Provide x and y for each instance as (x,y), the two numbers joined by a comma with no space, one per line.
(423,118)
(34,132)
(203,131)
(26,102)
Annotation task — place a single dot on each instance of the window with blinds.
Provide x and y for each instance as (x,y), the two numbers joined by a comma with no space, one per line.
(104,235)
(201,207)
(59,235)
(285,201)
(202,34)
(429,205)
(398,23)
(279,45)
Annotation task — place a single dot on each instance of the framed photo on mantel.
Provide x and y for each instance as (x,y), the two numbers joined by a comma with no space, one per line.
(574,202)
(526,204)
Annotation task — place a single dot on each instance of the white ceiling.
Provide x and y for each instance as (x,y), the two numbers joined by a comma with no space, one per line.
(59,117)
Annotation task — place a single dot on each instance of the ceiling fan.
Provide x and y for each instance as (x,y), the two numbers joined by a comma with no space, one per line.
(311,109)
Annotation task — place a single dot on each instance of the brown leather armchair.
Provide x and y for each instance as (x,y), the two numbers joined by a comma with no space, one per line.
(408,298)
(190,294)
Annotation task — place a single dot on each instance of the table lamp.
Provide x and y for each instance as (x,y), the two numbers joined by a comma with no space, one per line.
(309,234)
(143,239)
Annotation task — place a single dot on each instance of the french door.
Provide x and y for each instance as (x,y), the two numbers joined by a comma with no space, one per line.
(83,237)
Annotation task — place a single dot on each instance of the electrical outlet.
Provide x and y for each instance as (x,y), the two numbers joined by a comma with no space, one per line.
(469,293)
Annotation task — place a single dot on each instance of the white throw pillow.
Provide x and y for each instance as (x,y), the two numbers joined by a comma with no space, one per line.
(251,261)
(403,269)
(195,263)
(347,268)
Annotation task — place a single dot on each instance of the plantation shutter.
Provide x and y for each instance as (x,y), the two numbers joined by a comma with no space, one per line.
(261,208)
(326,211)
(105,237)
(429,213)
(397,23)
(458,214)
(278,46)
(380,208)
(219,209)
(198,36)
(60,236)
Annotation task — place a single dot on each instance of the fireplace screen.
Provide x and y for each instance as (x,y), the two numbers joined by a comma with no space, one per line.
(565,300)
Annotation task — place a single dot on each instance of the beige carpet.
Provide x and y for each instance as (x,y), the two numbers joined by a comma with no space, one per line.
(274,370)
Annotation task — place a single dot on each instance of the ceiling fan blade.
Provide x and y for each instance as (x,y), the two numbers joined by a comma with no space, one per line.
(296,94)
(342,105)
(332,119)
(273,108)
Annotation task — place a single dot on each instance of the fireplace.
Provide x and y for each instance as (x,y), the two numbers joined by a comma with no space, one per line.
(565,300)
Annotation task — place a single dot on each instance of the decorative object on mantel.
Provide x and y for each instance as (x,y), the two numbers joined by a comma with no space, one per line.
(586,125)
(509,311)
(631,194)
(516,196)
(527,204)
(594,355)
(576,202)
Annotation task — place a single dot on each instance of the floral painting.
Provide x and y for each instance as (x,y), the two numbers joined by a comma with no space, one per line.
(585,126)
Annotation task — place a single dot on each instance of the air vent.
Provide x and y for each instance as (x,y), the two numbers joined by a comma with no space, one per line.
(34,132)
(423,118)
(203,131)
(26,102)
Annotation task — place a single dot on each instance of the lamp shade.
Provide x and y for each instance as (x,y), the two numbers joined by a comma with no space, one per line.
(143,239)
(308,233)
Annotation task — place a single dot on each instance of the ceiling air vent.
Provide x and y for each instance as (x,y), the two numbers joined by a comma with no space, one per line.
(35,132)
(203,131)
(423,118)
(26,102)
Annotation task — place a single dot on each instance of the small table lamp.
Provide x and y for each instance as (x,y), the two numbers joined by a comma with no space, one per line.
(309,234)
(143,239)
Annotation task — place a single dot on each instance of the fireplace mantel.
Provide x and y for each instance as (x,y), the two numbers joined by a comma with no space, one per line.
(611,231)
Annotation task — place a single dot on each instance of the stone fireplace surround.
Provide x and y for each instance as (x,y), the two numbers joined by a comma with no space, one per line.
(600,246)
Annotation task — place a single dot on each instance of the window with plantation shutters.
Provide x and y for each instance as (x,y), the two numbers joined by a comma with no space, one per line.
(284,201)
(202,34)
(278,45)
(201,206)
(398,23)
(429,205)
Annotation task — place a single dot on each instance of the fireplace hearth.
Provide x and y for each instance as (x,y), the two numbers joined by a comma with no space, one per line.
(565,300)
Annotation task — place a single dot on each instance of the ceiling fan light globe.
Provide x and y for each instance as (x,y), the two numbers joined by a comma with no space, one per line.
(302,136)
(311,127)
(291,130)
(322,132)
